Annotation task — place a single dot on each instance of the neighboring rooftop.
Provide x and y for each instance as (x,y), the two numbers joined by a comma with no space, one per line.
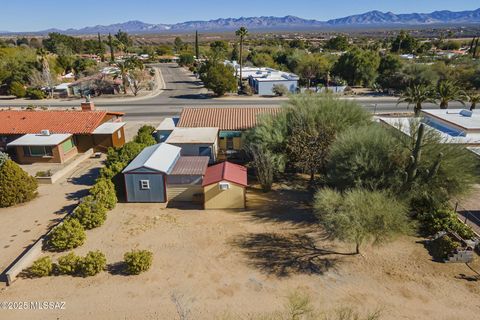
(403,124)
(56,121)
(226,171)
(475,150)
(108,127)
(39,140)
(160,157)
(262,73)
(168,124)
(224,118)
(193,135)
(196,166)
(457,117)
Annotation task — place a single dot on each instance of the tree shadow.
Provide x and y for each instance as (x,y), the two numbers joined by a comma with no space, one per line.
(86,179)
(285,255)
(199,96)
(117,269)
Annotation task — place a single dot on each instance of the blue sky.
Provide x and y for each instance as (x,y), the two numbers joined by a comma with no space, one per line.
(30,15)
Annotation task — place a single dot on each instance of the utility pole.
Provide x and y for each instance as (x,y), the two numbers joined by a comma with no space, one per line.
(197,49)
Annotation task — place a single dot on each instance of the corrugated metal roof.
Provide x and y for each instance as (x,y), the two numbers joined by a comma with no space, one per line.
(193,135)
(160,157)
(74,122)
(190,166)
(39,140)
(224,118)
(226,171)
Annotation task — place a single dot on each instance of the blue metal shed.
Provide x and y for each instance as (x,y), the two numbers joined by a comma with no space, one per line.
(145,176)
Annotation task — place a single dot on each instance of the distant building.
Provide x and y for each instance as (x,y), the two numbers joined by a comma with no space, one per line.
(263,79)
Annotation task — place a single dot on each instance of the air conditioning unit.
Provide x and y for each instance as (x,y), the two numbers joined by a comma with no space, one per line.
(224,186)
(45,132)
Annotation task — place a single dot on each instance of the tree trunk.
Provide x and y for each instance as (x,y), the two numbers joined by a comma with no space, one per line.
(312,176)
(443,105)
(418,108)
(472,107)
(241,62)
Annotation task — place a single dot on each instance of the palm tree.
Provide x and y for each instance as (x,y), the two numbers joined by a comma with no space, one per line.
(449,91)
(416,94)
(474,98)
(242,33)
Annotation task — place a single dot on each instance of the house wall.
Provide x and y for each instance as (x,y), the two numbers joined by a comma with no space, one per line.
(84,142)
(233,198)
(102,142)
(183,193)
(58,156)
(134,193)
(193,149)
(265,88)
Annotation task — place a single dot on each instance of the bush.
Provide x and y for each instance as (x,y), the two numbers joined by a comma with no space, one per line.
(3,158)
(145,136)
(68,264)
(70,234)
(360,215)
(367,157)
(90,213)
(35,94)
(16,186)
(138,261)
(41,268)
(103,193)
(111,170)
(93,263)
(17,89)
(218,77)
(280,90)
(440,248)
(445,219)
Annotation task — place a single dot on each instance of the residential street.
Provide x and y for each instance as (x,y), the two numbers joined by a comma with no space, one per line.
(182,89)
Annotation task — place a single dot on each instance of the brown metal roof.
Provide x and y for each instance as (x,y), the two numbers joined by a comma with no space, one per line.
(224,118)
(193,166)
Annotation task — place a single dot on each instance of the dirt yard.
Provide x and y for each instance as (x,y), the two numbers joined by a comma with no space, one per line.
(214,263)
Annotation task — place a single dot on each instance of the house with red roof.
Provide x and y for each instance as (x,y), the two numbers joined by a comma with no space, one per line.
(55,136)
(224,186)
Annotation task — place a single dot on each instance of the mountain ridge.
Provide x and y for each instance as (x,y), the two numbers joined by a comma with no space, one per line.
(370,18)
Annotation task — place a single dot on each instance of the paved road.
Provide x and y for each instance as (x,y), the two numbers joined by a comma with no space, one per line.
(182,89)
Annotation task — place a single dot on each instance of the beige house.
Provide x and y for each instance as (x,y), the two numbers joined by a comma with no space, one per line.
(224,186)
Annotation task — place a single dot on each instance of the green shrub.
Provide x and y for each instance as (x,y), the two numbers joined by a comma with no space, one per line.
(445,220)
(93,263)
(70,234)
(440,248)
(3,158)
(68,264)
(111,170)
(138,261)
(41,268)
(90,213)
(17,89)
(144,136)
(16,186)
(104,193)
(279,90)
(367,157)
(35,94)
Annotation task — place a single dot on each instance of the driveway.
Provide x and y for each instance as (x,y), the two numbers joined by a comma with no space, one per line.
(22,225)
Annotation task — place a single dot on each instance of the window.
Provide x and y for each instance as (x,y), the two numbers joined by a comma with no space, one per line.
(119,134)
(37,151)
(67,145)
(224,186)
(145,184)
(230,143)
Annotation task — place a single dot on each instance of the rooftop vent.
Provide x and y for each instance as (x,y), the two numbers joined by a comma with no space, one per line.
(466,113)
(45,132)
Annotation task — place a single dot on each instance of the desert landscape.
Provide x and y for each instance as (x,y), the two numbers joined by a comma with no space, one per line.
(240,265)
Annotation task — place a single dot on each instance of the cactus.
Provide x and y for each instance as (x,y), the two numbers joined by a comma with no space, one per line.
(412,172)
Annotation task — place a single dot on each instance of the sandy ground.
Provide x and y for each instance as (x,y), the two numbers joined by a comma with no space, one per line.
(22,225)
(244,263)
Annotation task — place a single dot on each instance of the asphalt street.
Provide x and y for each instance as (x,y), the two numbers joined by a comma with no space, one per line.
(182,89)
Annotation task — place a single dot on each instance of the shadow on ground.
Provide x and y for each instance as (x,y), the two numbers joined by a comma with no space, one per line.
(201,96)
(86,179)
(285,255)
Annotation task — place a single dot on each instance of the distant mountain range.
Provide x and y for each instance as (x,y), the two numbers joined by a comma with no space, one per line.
(372,18)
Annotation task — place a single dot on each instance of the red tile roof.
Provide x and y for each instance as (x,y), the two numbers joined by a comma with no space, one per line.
(190,166)
(224,118)
(226,171)
(57,121)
